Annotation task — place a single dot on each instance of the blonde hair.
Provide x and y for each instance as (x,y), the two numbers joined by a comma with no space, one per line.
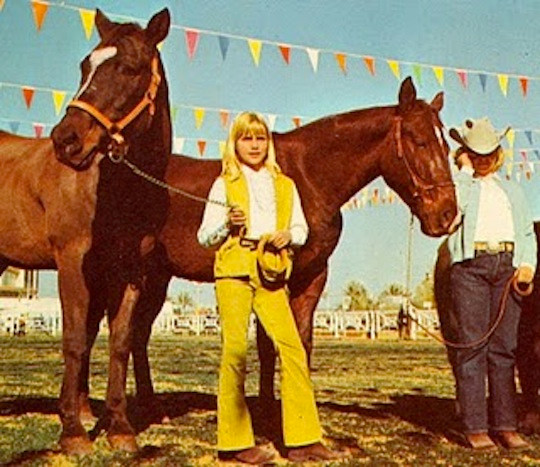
(250,124)
(498,164)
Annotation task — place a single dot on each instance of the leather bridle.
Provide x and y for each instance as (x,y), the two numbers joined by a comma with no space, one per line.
(118,147)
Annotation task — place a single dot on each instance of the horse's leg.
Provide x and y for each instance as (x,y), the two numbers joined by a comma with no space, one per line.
(303,303)
(75,299)
(121,434)
(148,307)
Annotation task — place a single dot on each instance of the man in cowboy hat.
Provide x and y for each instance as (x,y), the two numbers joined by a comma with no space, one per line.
(493,245)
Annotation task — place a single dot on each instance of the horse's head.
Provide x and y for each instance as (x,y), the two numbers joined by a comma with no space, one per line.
(116,99)
(418,169)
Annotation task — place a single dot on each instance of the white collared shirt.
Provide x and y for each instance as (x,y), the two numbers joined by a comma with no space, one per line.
(262,210)
(495,222)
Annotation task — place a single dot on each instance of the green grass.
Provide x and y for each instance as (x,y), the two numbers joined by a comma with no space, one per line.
(388,402)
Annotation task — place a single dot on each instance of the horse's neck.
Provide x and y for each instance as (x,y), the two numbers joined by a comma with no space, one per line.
(332,159)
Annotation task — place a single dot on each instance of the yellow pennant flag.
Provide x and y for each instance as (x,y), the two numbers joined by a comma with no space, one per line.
(40,11)
(342,61)
(2,2)
(510,136)
(87,20)
(58,100)
(221,147)
(160,45)
(255,49)
(503,83)
(199,116)
(438,71)
(394,66)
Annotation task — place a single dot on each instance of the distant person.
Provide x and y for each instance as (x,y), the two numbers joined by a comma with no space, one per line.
(265,210)
(494,242)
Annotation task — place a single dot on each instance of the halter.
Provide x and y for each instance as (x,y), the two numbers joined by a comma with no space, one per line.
(118,147)
(419,185)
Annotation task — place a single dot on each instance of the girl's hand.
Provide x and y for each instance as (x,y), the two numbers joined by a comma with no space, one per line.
(236,217)
(280,239)
(463,160)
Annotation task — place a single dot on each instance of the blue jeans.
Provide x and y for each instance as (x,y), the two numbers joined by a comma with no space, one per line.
(477,286)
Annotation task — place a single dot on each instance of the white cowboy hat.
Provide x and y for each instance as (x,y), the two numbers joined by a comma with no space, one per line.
(478,135)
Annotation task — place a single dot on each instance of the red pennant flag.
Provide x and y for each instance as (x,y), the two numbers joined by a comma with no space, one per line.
(38,129)
(285,53)
(370,64)
(28,94)
(224,117)
(297,122)
(201,144)
(342,61)
(462,77)
(192,40)
(523,155)
(40,10)
(524,82)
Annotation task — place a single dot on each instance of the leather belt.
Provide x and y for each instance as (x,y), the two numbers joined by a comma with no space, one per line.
(249,243)
(493,248)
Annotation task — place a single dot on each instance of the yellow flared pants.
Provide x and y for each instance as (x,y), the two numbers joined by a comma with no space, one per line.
(236,299)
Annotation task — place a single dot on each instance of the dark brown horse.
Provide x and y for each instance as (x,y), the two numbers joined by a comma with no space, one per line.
(528,350)
(88,217)
(330,160)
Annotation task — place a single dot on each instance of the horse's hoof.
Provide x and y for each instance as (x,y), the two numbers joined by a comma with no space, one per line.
(126,443)
(76,445)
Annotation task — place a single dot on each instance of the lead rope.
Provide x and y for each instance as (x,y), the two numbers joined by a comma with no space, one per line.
(502,308)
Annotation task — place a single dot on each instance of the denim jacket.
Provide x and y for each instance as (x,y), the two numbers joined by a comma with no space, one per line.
(461,242)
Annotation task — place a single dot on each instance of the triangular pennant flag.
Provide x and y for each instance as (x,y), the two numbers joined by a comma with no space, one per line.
(40,11)
(174,113)
(394,66)
(192,40)
(483,80)
(58,100)
(524,82)
(523,155)
(28,94)
(255,49)
(271,121)
(342,61)
(87,20)
(221,147)
(313,55)
(160,45)
(510,137)
(370,64)
(438,71)
(503,83)
(285,53)
(463,77)
(199,113)
(178,145)
(509,168)
(14,126)
(38,129)
(223,45)
(224,117)
(508,154)
(297,122)
(528,134)
(2,2)
(201,144)
(417,72)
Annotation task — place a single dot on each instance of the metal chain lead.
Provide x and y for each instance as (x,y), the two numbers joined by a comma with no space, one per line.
(166,186)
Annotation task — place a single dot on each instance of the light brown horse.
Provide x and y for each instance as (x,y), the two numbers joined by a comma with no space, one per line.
(92,219)
(330,160)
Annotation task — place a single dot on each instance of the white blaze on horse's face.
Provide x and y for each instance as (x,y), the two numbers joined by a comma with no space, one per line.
(439,135)
(97,57)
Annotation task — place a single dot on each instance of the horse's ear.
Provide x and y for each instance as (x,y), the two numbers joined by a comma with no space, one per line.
(103,24)
(438,102)
(158,26)
(407,95)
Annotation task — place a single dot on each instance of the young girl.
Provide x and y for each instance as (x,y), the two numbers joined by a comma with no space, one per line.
(494,243)
(262,202)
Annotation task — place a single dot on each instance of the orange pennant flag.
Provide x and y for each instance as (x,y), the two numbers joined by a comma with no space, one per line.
(370,64)
(2,2)
(524,82)
(285,53)
(40,10)
(224,117)
(297,122)
(342,61)
(201,144)
(28,94)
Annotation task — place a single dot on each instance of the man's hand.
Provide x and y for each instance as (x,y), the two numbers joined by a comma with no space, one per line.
(237,217)
(280,239)
(463,160)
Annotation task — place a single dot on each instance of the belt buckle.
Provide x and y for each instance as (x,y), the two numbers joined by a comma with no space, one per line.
(493,247)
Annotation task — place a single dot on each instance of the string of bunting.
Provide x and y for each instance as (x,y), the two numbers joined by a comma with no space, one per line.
(255,45)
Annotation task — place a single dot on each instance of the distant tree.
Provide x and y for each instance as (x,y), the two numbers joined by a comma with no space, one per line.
(184,302)
(424,292)
(392,295)
(358,296)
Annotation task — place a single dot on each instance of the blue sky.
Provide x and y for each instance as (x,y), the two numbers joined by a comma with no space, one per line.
(489,41)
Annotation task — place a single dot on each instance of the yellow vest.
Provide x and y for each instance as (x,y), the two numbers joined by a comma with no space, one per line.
(232,259)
